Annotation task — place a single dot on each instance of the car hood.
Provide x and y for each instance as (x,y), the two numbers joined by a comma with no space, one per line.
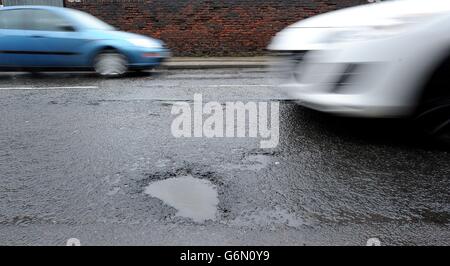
(305,34)
(370,14)
(122,35)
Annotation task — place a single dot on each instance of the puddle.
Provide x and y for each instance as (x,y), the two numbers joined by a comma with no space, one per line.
(193,198)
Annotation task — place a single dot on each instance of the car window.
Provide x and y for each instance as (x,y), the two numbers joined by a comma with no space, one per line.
(14,19)
(33,19)
(48,21)
(88,21)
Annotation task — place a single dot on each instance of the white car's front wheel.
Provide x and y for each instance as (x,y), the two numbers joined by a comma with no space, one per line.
(110,64)
(434,119)
(433,113)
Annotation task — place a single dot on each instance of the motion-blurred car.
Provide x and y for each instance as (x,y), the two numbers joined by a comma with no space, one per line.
(53,38)
(389,59)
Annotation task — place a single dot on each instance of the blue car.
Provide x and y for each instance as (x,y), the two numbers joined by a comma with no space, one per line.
(53,38)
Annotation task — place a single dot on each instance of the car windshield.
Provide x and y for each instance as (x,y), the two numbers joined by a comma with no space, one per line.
(89,21)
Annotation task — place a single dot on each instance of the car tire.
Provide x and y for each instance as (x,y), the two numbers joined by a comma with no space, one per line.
(433,111)
(433,119)
(110,63)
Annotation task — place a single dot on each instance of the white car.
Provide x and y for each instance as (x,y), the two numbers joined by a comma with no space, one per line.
(388,59)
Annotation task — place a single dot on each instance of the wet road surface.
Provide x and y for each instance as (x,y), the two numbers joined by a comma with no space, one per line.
(95,159)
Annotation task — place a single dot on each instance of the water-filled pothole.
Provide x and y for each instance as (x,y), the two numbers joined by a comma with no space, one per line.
(193,198)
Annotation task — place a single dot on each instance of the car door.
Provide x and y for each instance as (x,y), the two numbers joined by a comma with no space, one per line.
(15,41)
(57,40)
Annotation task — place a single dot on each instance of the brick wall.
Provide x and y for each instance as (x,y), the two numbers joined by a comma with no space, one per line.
(208,27)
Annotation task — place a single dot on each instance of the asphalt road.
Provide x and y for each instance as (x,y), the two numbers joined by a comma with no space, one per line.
(78,155)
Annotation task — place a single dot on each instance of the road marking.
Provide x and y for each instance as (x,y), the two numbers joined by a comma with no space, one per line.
(49,88)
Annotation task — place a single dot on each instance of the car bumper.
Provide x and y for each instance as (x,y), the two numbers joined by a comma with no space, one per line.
(357,105)
(146,59)
(379,78)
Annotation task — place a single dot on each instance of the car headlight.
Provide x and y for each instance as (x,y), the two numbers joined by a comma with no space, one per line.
(145,43)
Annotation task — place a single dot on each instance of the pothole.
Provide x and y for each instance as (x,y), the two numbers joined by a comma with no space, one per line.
(193,198)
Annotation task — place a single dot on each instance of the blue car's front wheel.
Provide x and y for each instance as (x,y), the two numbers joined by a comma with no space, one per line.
(110,63)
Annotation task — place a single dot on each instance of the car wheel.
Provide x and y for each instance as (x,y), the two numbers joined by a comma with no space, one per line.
(110,64)
(433,119)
